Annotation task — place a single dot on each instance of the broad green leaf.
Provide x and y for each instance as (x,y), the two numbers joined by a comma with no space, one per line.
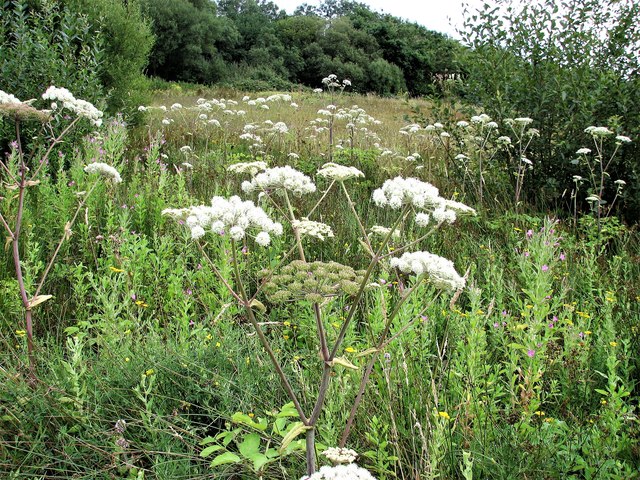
(259,460)
(207,440)
(602,392)
(288,410)
(272,453)
(245,419)
(225,458)
(250,445)
(211,449)
(517,345)
(296,429)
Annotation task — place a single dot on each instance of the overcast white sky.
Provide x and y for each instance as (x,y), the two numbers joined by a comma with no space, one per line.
(439,15)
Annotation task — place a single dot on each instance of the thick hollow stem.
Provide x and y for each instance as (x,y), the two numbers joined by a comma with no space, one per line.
(311,450)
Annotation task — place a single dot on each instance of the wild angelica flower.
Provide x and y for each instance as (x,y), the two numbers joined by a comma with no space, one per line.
(384,231)
(440,271)
(462,124)
(503,140)
(422,219)
(577,178)
(598,131)
(8,98)
(459,208)
(12,107)
(281,178)
(523,121)
(400,191)
(313,281)
(251,168)
(81,108)
(340,455)
(623,139)
(620,183)
(341,472)
(443,215)
(583,151)
(105,170)
(310,228)
(339,172)
(233,216)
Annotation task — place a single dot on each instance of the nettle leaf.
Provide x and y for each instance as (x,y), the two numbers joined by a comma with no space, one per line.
(250,445)
(224,459)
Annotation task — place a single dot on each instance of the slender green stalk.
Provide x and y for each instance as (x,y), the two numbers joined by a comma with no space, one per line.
(246,303)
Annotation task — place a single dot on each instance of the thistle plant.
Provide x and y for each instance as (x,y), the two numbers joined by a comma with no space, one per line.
(318,284)
(22,171)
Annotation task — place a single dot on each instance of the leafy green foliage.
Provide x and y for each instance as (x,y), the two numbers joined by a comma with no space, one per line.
(568,65)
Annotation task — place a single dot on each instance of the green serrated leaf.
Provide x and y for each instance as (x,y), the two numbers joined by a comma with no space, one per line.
(225,458)
(211,449)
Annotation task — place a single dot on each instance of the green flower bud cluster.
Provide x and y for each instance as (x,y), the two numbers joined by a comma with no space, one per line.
(313,281)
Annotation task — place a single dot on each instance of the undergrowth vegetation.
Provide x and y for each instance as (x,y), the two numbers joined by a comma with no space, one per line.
(143,336)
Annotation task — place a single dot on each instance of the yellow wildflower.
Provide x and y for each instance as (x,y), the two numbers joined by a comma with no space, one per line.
(116,270)
(444,415)
(613,344)
(350,350)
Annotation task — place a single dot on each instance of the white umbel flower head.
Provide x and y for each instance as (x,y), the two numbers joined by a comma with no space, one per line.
(598,131)
(440,271)
(281,178)
(232,216)
(339,172)
(400,191)
(105,170)
(384,231)
(251,168)
(82,108)
(340,455)
(341,472)
(310,228)
(8,98)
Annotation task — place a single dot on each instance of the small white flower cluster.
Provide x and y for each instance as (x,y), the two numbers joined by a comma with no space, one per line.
(598,131)
(400,191)
(384,231)
(307,227)
(459,208)
(583,151)
(8,98)
(333,82)
(341,472)
(439,270)
(232,215)
(339,172)
(81,108)
(105,170)
(286,178)
(340,455)
(247,167)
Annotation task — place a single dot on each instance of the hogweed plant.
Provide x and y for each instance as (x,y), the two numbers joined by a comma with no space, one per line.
(23,170)
(598,164)
(417,210)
